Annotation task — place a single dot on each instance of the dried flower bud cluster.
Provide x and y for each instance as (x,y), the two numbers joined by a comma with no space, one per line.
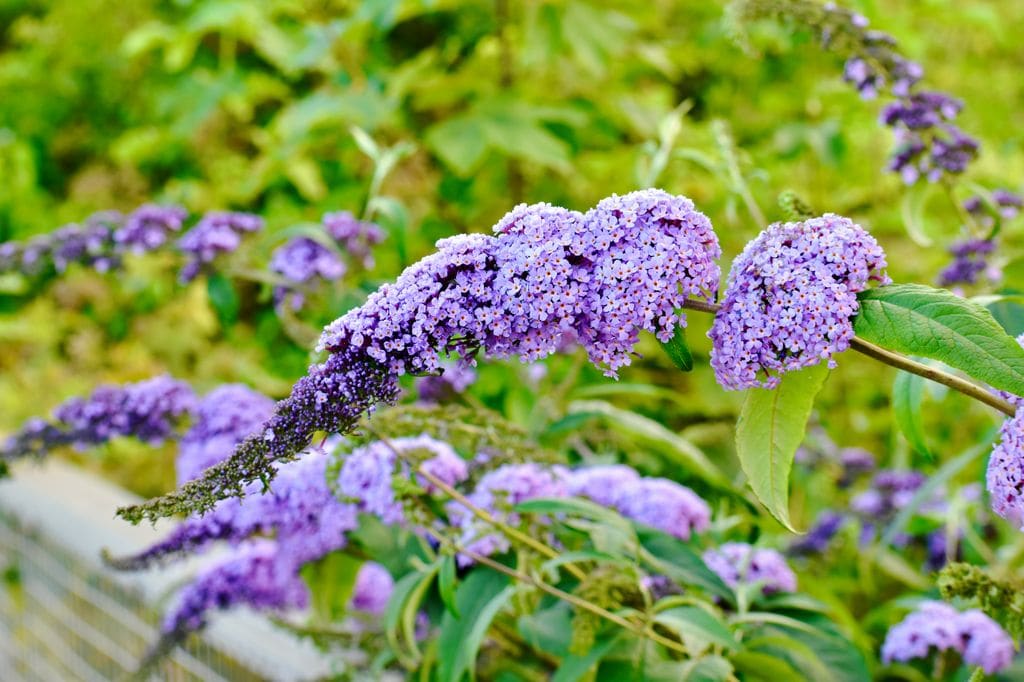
(791,298)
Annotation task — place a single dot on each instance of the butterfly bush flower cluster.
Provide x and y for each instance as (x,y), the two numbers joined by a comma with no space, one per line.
(149,410)
(302,261)
(90,244)
(222,419)
(738,562)
(216,233)
(929,144)
(356,237)
(453,380)
(149,227)
(1005,205)
(970,261)
(657,502)
(367,474)
(1004,477)
(791,297)
(820,535)
(936,627)
(625,266)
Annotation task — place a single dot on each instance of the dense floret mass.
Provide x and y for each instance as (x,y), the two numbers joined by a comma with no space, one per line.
(246,576)
(625,266)
(217,233)
(1005,475)
(938,627)
(791,296)
(149,227)
(738,562)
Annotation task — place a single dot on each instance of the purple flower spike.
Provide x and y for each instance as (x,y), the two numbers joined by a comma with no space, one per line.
(223,418)
(301,260)
(246,576)
(791,297)
(356,237)
(665,505)
(149,227)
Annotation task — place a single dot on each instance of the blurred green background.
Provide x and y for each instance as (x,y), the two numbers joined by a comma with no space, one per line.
(249,105)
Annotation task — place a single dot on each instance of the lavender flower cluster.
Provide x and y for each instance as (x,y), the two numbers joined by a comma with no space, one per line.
(90,244)
(216,233)
(970,260)
(368,473)
(1004,477)
(656,502)
(1005,205)
(356,237)
(739,562)
(791,298)
(149,227)
(937,627)
(148,410)
(301,261)
(222,419)
(625,266)
(930,145)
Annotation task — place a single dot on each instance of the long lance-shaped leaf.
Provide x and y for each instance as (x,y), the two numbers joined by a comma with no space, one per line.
(934,323)
(771,427)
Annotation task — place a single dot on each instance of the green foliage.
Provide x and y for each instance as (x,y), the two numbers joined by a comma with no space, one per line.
(771,427)
(934,323)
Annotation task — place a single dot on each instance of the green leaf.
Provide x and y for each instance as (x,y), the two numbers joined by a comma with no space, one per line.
(673,557)
(478,599)
(919,320)
(678,352)
(223,298)
(332,580)
(907,393)
(771,427)
(548,629)
(460,142)
(698,628)
(446,582)
(711,668)
(649,433)
(762,667)
(405,599)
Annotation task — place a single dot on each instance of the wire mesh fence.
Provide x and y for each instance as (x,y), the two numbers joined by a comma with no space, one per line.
(63,616)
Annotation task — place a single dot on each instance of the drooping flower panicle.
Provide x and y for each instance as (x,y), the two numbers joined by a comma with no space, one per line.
(148,410)
(792,294)
(624,267)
